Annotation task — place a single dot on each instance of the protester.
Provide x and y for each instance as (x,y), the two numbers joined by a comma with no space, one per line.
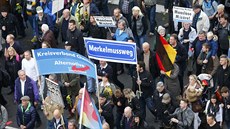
(26,114)
(59,121)
(12,65)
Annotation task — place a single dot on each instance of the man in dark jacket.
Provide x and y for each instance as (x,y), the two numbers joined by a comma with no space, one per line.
(142,81)
(223,33)
(226,105)
(181,57)
(149,58)
(127,119)
(223,72)
(106,110)
(26,114)
(75,37)
(26,84)
(8,23)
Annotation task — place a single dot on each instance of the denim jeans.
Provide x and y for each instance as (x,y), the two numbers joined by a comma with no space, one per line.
(151,11)
(146,102)
(140,40)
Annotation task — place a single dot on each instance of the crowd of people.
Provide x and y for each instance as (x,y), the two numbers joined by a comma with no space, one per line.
(202,61)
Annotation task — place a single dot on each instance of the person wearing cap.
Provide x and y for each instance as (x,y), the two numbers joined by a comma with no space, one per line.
(166,109)
(200,20)
(138,123)
(157,98)
(106,110)
(26,114)
(40,19)
(8,23)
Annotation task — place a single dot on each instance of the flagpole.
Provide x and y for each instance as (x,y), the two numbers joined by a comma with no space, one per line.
(82,102)
(99,106)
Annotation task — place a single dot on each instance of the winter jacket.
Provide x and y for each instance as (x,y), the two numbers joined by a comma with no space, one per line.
(132,3)
(146,83)
(203,23)
(11,24)
(50,38)
(26,116)
(121,37)
(62,124)
(46,19)
(76,39)
(153,66)
(30,90)
(185,118)
(139,26)
(211,66)
(192,35)
(223,36)
(223,76)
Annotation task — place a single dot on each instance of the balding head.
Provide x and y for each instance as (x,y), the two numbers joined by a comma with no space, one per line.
(128,112)
(80,93)
(146,47)
(66,13)
(57,114)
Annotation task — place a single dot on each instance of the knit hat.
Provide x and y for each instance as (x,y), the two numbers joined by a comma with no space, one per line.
(166,98)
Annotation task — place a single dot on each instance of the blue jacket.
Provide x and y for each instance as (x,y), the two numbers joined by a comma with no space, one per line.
(30,90)
(197,45)
(121,37)
(47,19)
(27,117)
(213,46)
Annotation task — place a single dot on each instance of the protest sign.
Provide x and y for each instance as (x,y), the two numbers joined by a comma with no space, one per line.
(104,21)
(50,60)
(57,5)
(54,92)
(181,14)
(113,51)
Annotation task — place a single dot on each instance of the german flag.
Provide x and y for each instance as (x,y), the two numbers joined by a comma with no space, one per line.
(165,54)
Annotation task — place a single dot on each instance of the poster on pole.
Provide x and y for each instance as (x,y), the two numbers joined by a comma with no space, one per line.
(112,51)
(54,92)
(57,5)
(104,21)
(181,14)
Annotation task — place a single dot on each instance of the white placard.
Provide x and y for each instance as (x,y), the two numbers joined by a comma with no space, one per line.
(104,21)
(54,92)
(181,14)
(57,5)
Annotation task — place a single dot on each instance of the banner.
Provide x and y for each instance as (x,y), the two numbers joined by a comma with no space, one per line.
(104,21)
(54,92)
(112,51)
(50,60)
(57,5)
(181,14)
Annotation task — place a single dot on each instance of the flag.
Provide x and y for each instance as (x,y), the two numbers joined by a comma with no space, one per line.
(165,54)
(90,117)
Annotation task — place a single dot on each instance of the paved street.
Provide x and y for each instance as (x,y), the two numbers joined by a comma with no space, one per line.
(11,107)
